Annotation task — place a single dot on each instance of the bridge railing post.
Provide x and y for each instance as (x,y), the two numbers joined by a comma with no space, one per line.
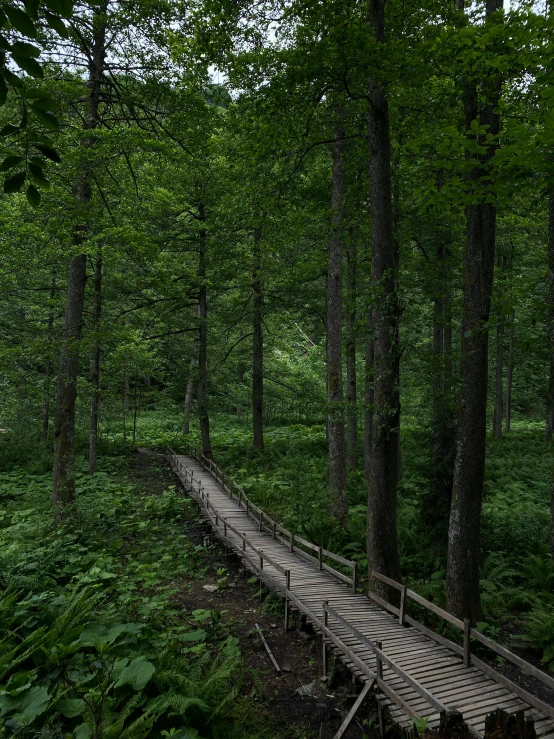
(402,605)
(287,590)
(467,644)
(325,618)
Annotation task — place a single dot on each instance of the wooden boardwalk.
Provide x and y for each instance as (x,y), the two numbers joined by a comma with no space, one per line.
(416,673)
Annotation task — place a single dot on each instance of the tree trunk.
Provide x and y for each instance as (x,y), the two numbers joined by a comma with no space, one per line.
(48,368)
(382,544)
(95,368)
(203,342)
(257,345)
(335,410)
(368,398)
(510,374)
(351,389)
(189,395)
(462,583)
(498,414)
(550,396)
(63,477)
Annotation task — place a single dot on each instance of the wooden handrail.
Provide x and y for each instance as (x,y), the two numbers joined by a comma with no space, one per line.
(293,538)
(473,633)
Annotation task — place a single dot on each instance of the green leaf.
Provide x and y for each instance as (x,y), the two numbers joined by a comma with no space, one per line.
(10,162)
(46,104)
(38,162)
(137,674)
(3,91)
(83,731)
(56,24)
(38,176)
(15,182)
(31,66)
(47,119)
(11,78)
(198,635)
(71,707)
(22,48)
(48,152)
(9,129)
(20,21)
(33,196)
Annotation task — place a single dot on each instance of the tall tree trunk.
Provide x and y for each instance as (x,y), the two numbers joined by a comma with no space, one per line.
(368,398)
(464,535)
(95,368)
(48,368)
(189,395)
(203,341)
(257,345)
(351,385)
(550,396)
(382,544)
(63,477)
(498,414)
(335,412)
(510,374)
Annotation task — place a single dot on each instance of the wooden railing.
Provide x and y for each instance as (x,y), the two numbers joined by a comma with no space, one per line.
(294,542)
(464,651)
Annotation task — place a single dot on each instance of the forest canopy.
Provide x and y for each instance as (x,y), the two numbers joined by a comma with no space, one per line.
(316,240)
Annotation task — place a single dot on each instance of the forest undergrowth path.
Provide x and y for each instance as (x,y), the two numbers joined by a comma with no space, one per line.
(415,678)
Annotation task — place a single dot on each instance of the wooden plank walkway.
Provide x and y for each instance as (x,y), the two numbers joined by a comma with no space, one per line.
(415,676)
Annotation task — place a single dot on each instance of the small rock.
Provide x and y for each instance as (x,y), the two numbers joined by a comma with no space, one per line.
(210,588)
(273,626)
(286,668)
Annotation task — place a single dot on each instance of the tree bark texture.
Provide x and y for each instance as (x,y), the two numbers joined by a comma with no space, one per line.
(95,366)
(203,341)
(335,398)
(257,345)
(498,414)
(351,385)
(550,395)
(45,425)
(382,544)
(368,398)
(63,478)
(189,395)
(464,535)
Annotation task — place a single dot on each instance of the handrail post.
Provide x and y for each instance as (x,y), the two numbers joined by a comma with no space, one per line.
(247,507)
(225,527)
(243,542)
(402,605)
(320,557)
(274,530)
(354,576)
(325,603)
(287,589)
(261,520)
(378,663)
(467,637)
(292,542)
(261,551)
(240,496)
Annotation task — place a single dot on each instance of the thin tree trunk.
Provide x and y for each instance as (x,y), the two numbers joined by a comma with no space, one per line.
(189,395)
(63,477)
(257,345)
(95,369)
(203,342)
(498,414)
(135,410)
(337,456)
(510,374)
(550,396)
(368,398)
(351,387)
(382,544)
(48,368)
(464,535)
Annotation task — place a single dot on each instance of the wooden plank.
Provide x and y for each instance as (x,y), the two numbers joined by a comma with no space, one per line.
(354,710)
(268,650)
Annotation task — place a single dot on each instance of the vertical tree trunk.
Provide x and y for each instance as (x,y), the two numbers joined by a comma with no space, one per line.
(257,345)
(189,395)
(550,396)
(462,583)
(351,388)
(498,414)
(368,399)
(510,374)
(382,544)
(335,410)
(203,341)
(95,368)
(48,368)
(63,477)
(135,411)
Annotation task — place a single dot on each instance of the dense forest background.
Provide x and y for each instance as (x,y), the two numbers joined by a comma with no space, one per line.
(317,241)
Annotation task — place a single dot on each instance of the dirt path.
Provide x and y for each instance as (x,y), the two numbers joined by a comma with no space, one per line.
(242,605)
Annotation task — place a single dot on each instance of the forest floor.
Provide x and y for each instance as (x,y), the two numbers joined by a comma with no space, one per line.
(242,604)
